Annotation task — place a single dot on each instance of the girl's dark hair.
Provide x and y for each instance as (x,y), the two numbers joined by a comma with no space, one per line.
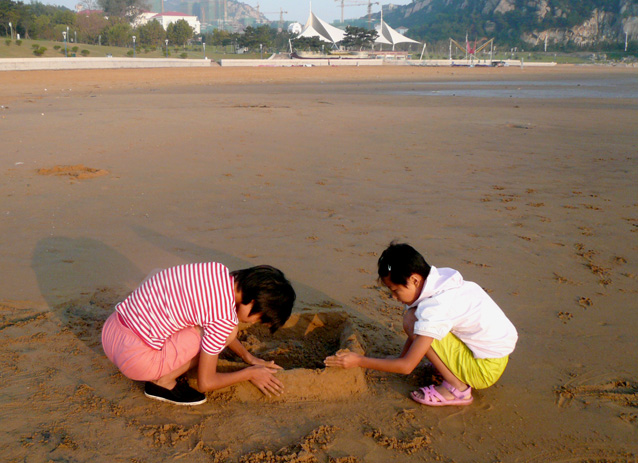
(399,261)
(272,292)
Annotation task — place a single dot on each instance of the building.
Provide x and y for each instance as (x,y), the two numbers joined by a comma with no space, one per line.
(169,17)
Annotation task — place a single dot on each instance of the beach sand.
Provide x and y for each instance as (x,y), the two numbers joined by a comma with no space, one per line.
(315,171)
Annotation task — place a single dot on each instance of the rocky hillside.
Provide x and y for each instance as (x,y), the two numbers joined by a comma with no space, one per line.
(563,23)
(237,13)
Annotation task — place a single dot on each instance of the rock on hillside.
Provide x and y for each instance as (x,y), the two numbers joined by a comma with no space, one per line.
(565,22)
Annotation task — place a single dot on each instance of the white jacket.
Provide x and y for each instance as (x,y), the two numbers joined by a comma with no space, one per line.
(450,304)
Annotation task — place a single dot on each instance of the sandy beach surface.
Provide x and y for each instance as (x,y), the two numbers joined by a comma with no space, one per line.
(522,179)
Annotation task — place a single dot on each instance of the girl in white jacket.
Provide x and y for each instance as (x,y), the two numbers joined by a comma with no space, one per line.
(452,322)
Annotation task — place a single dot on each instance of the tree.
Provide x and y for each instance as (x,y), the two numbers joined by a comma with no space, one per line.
(42,28)
(119,34)
(179,32)
(123,8)
(218,37)
(9,13)
(358,37)
(27,18)
(152,34)
(309,43)
(90,26)
(253,37)
(64,16)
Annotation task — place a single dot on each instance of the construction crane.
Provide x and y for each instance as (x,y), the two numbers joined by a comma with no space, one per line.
(369,3)
(225,20)
(281,14)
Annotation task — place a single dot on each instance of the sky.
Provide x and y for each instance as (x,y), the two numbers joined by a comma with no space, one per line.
(297,10)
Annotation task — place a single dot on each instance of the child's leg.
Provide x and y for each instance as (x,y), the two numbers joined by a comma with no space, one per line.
(139,362)
(447,374)
(169,380)
(409,319)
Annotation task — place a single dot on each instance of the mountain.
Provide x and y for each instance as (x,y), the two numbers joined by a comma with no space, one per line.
(234,14)
(566,23)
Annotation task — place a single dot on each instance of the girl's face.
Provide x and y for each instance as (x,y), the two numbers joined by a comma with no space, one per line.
(407,293)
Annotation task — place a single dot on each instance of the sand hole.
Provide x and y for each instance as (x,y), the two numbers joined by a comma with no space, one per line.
(300,347)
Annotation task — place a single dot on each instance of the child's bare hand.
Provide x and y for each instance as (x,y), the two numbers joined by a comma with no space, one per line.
(257,361)
(343,359)
(264,379)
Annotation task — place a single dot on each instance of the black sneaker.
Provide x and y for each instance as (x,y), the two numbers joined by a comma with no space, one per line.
(181,394)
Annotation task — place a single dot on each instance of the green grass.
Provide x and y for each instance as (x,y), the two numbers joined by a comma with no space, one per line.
(25,50)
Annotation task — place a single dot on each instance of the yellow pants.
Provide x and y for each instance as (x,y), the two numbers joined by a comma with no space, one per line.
(478,373)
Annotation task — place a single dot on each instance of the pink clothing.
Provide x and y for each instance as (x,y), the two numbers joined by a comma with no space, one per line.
(137,361)
(180,297)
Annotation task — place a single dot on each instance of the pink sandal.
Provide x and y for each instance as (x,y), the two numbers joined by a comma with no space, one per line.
(433,398)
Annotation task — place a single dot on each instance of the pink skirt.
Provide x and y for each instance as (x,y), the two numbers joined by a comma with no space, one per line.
(139,362)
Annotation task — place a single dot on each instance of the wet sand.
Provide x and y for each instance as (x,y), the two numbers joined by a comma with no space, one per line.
(315,171)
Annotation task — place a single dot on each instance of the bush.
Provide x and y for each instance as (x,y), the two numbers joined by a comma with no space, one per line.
(8,42)
(56,47)
(85,52)
(35,46)
(18,42)
(75,49)
(184,55)
(39,51)
(129,53)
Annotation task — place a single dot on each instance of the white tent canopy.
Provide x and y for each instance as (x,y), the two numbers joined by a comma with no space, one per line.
(316,27)
(389,36)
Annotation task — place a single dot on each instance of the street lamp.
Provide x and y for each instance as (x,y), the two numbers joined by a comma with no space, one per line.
(133,46)
(204,44)
(11,28)
(261,51)
(65,52)
(166,42)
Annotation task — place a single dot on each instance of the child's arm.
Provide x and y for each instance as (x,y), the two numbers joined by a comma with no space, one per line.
(405,364)
(209,379)
(237,347)
(406,347)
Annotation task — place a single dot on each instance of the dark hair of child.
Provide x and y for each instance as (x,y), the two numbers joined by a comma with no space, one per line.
(272,292)
(401,260)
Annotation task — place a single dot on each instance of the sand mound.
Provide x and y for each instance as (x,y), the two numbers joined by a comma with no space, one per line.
(300,347)
(77,171)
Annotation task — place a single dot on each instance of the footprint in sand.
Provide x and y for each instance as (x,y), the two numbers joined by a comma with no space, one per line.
(77,171)
(564,316)
(620,392)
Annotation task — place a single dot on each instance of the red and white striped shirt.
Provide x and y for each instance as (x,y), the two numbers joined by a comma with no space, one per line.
(200,294)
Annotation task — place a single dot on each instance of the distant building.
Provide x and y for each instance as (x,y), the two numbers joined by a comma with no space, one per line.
(167,18)
(80,11)
(143,18)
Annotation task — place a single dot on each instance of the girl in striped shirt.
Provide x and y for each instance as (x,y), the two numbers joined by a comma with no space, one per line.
(183,317)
